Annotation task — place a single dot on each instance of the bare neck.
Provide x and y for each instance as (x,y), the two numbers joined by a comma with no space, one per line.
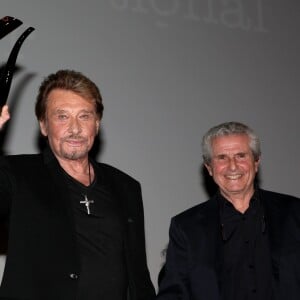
(80,169)
(240,202)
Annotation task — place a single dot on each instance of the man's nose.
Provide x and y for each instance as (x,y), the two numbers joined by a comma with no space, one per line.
(74,126)
(232,163)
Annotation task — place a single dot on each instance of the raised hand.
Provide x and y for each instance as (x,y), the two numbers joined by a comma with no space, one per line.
(5,116)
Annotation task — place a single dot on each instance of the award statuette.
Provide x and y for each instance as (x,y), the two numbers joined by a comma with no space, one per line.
(8,24)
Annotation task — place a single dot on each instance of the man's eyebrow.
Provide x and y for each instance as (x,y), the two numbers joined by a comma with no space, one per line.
(59,111)
(87,111)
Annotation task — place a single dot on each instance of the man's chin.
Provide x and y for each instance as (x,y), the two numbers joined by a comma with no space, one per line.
(74,155)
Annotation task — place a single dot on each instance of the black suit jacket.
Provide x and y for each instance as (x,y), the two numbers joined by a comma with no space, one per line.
(42,260)
(194,257)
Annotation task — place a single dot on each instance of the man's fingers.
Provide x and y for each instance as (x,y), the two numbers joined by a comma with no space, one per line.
(4,117)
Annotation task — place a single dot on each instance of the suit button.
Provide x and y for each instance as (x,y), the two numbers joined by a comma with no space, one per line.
(73,276)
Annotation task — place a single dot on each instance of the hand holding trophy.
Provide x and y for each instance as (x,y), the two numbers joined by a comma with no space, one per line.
(5,116)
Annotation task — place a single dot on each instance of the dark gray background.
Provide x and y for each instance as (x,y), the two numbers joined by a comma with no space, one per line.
(168,70)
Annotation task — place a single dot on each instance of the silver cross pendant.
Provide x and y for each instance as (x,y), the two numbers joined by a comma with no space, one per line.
(87,203)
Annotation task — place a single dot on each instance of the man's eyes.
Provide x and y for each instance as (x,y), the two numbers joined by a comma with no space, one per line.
(85,117)
(62,117)
(239,156)
(221,157)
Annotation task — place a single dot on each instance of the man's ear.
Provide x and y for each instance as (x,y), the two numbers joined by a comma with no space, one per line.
(97,126)
(257,162)
(209,169)
(43,128)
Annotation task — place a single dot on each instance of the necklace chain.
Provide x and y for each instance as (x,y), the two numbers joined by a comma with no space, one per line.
(86,200)
(90,176)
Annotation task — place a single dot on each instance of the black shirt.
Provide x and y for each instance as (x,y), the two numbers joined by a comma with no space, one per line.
(246,268)
(100,237)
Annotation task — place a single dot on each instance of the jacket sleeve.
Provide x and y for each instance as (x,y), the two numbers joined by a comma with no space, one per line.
(140,283)
(128,191)
(174,275)
(6,187)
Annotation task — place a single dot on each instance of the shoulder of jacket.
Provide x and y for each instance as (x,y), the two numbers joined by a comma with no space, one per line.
(116,173)
(270,195)
(202,210)
(21,158)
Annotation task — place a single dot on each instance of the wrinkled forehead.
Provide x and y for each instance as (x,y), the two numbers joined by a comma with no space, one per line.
(59,97)
(232,141)
(60,101)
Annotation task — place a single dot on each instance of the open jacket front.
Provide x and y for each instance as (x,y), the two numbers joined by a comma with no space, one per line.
(194,256)
(42,260)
